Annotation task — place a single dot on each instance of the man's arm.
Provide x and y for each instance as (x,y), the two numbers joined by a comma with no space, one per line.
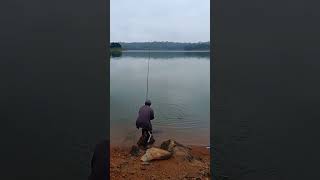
(151,114)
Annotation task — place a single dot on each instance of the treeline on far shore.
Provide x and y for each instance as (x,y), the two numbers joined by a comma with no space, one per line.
(165,45)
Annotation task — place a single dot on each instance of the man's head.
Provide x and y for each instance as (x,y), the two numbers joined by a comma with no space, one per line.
(148,102)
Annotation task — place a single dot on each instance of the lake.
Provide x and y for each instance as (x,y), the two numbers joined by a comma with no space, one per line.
(179,88)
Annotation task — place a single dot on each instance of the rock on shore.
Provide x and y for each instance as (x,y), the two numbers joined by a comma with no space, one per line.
(155,154)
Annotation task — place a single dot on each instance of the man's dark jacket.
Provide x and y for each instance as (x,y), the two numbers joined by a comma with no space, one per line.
(145,115)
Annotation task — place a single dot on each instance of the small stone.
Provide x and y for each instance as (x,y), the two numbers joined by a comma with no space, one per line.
(135,151)
(116,171)
(112,164)
(146,163)
(168,145)
(191,175)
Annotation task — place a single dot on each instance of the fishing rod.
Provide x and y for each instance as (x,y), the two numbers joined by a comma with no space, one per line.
(148,75)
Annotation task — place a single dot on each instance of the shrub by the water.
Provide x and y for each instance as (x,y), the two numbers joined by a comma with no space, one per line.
(115,49)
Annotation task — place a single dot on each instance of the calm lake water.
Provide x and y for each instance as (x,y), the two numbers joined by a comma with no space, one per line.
(179,88)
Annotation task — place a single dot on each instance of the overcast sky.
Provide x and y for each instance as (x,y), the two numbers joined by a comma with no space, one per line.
(159,20)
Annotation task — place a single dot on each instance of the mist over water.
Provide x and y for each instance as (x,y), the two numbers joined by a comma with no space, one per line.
(179,88)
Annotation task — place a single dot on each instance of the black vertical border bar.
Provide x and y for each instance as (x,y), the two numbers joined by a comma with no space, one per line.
(54,65)
(211,87)
(108,79)
(265,80)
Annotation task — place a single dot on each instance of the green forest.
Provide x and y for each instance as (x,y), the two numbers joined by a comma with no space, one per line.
(163,45)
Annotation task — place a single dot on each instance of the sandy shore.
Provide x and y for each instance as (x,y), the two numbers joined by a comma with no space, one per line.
(125,166)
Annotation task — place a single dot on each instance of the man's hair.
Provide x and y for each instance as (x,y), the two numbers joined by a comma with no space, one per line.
(148,102)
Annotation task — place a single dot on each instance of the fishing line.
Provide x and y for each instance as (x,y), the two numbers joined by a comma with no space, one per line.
(148,77)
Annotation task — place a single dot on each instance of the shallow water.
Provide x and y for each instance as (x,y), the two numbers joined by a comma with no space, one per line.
(179,88)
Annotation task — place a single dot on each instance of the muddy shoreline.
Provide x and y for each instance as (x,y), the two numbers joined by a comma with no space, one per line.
(125,166)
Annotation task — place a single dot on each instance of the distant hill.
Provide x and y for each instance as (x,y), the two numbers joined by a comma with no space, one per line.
(165,46)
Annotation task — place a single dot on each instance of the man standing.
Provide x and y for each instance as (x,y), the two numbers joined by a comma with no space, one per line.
(143,121)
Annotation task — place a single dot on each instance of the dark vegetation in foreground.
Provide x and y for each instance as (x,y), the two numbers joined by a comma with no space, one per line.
(164,45)
(115,49)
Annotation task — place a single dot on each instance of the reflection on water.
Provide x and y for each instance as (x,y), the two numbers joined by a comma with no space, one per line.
(163,54)
(179,89)
(115,53)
